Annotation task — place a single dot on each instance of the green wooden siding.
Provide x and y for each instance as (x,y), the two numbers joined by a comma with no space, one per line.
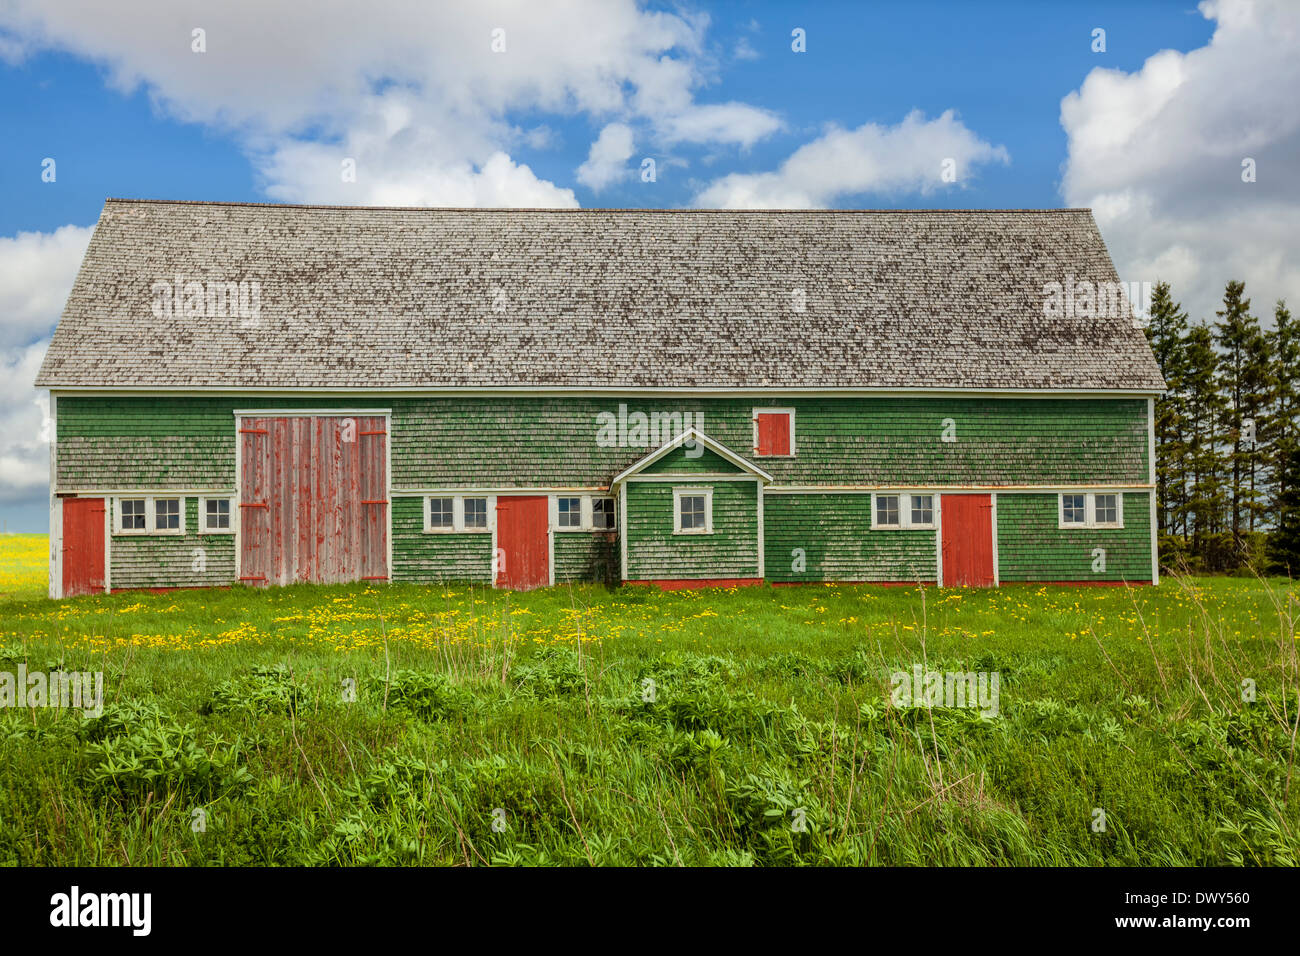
(444,556)
(585,556)
(654,552)
(1031,546)
(172,442)
(167,561)
(680,461)
(837,543)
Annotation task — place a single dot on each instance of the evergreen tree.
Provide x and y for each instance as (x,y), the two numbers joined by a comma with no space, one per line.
(1167,334)
(1204,405)
(1244,373)
(1283,436)
(1284,542)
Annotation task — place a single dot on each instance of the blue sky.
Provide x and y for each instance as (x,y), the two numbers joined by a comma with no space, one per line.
(579,97)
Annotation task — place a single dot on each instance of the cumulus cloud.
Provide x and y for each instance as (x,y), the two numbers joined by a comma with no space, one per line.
(36,274)
(606,162)
(1158,155)
(416,93)
(872,159)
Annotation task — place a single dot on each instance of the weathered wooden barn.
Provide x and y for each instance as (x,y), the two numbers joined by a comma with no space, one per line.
(265,394)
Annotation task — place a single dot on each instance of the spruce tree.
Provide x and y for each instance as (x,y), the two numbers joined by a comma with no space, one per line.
(1244,374)
(1167,334)
(1204,405)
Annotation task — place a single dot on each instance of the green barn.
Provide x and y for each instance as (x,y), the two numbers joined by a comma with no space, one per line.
(264,394)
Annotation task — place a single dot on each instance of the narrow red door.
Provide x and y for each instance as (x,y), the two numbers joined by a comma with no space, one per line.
(523,552)
(967,541)
(83,546)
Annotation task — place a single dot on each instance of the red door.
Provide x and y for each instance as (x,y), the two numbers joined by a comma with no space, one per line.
(523,551)
(967,541)
(314,499)
(83,546)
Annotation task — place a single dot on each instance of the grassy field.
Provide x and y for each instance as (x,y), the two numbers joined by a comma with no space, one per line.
(463,726)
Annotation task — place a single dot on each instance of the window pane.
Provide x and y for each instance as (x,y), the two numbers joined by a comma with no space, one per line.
(476,512)
(922,509)
(602,513)
(440,513)
(167,514)
(1072,509)
(133,514)
(692,512)
(1107,509)
(570,512)
(887,510)
(217,513)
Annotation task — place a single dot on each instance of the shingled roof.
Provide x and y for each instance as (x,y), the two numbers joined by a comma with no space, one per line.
(375,298)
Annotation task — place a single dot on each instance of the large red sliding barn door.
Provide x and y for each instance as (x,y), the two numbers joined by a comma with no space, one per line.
(83,546)
(314,499)
(523,545)
(967,541)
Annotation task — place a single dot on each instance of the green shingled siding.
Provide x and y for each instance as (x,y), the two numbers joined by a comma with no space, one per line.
(585,556)
(654,552)
(691,461)
(167,561)
(172,442)
(834,534)
(1031,546)
(444,556)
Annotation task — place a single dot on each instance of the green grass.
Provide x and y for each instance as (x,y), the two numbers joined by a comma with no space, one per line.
(770,706)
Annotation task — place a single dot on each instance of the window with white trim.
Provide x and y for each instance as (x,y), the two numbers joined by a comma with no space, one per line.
(442,514)
(476,514)
(692,511)
(215,516)
(452,514)
(903,511)
(148,515)
(1091,510)
(602,514)
(569,513)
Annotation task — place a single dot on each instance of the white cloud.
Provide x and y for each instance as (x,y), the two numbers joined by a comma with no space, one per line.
(36,274)
(1157,154)
(888,160)
(606,161)
(411,90)
(24,426)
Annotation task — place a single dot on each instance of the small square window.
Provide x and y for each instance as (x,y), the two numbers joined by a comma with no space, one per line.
(1073,510)
(216,515)
(602,514)
(476,513)
(440,513)
(922,510)
(887,511)
(167,514)
(133,514)
(570,512)
(1107,509)
(692,512)
(773,432)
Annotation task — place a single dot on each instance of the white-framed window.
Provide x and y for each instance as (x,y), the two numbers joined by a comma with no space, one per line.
(774,433)
(454,514)
(1102,509)
(475,511)
(899,510)
(149,514)
(692,510)
(602,514)
(216,516)
(582,513)
(568,513)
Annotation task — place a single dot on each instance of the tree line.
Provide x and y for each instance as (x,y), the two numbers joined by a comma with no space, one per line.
(1227,436)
